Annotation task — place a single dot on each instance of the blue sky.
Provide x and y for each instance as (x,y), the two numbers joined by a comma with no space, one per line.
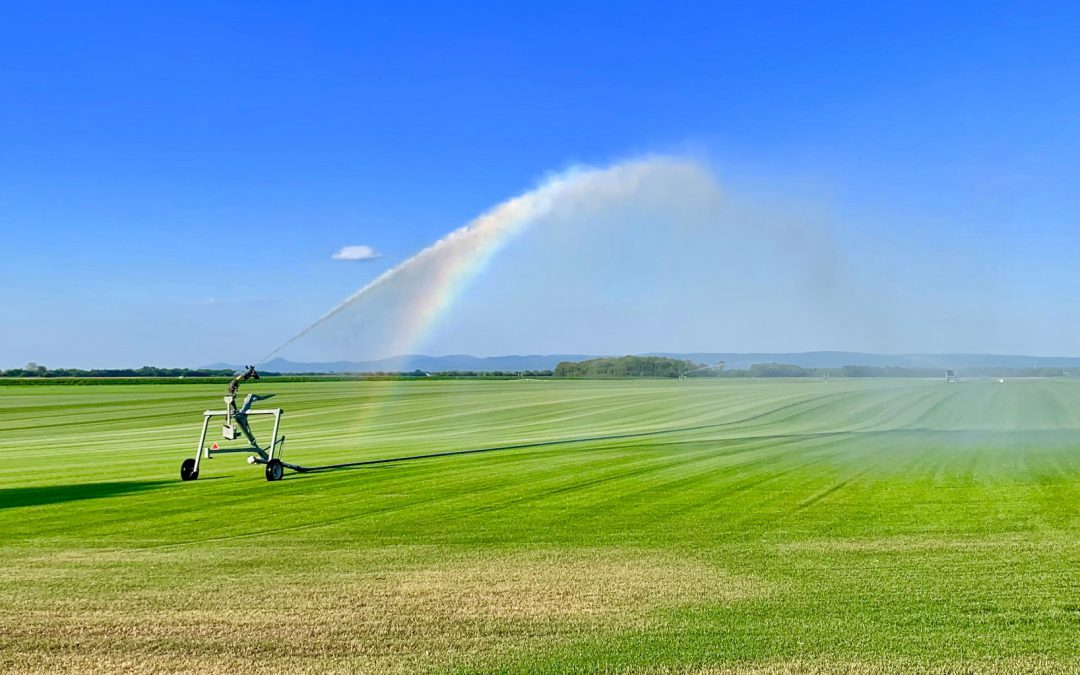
(174,178)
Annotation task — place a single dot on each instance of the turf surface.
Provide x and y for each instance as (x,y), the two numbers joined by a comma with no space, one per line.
(671,526)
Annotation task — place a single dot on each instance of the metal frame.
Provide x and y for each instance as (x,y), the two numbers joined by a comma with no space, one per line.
(277,444)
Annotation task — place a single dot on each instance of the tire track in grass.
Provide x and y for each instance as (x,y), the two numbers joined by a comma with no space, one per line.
(823,494)
(645,466)
(758,457)
(769,455)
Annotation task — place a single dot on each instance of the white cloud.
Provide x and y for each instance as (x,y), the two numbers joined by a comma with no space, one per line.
(356,253)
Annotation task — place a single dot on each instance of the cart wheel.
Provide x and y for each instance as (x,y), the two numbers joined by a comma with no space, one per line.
(187,470)
(274,470)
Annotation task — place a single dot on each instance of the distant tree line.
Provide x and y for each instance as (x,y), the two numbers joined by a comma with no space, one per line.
(34,370)
(452,374)
(503,374)
(765,370)
(615,367)
(628,366)
(655,366)
(791,370)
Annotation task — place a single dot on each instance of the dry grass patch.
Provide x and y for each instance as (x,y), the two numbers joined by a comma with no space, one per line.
(565,584)
(403,614)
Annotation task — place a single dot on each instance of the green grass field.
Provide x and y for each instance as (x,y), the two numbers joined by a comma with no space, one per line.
(611,525)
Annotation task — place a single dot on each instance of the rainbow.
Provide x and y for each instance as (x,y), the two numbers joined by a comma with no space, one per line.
(424,287)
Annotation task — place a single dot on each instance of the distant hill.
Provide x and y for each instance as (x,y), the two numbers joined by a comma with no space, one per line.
(515,363)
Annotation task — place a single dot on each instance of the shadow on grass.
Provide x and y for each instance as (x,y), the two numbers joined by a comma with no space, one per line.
(11,498)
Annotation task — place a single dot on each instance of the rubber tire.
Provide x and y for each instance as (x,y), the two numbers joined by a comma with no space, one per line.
(274,470)
(187,470)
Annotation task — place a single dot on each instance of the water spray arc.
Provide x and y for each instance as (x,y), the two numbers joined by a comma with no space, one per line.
(427,284)
(719,365)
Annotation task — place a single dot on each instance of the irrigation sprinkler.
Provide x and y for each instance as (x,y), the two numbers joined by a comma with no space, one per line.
(236,424)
